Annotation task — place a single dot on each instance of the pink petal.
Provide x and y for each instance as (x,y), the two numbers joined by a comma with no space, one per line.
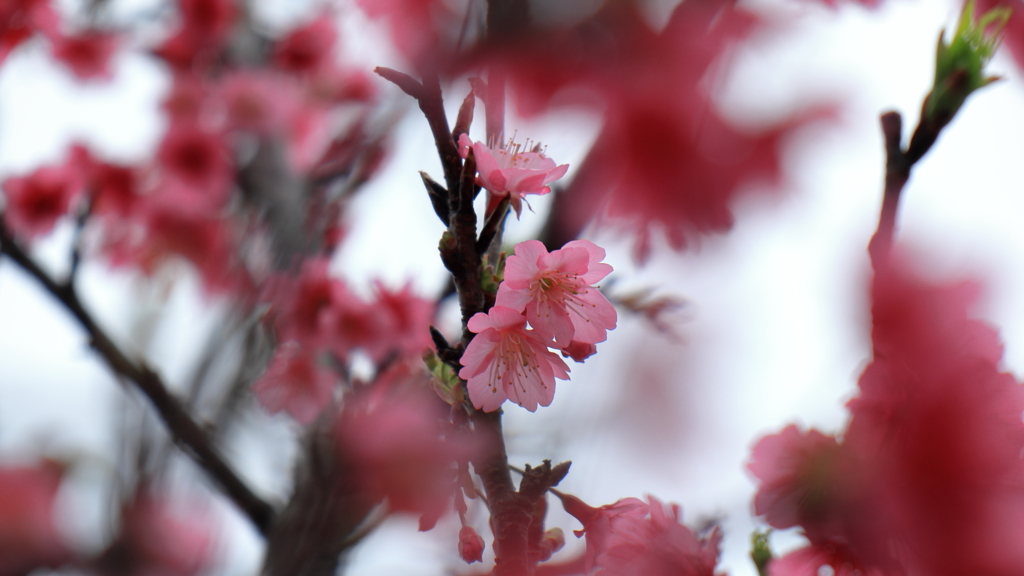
(512,298)
(483,395)
(556,173)
(479,322)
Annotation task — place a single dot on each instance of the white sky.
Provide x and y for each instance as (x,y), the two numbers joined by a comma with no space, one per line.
(774,331)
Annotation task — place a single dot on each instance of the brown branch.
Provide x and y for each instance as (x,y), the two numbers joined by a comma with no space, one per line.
(185,431)
(493,228)
(511,511)
(898,164)
(431,103)
(460,255)
(407,83)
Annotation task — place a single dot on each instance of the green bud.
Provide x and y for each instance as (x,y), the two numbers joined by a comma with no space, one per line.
(491,276)
(444,380)
(760,552)
(959,65)
(447,243)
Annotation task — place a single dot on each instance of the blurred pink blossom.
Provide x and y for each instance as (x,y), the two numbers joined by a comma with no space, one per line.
(295,383)
(165,538)
(29,539)
(927,478)
(87,55)
(20,19)
(307,48)
(36,201)
(393,432)
(471,545)
(631,537)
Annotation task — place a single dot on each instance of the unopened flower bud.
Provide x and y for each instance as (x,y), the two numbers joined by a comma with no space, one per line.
(960,65)
(471,545)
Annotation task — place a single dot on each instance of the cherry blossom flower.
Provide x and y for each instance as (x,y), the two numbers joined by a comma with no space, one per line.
(354,323)
(204,29)
(20,19)
(115,190)
(505,361)
(557,291)
(579,351)
(308,48)
(471,545)
(392,433)
(35,202)
(28,537)
(195,165)
(87,55)
(162,537)
(164,229)
(259,102)
(407,317)
(208,17)
(632,537)
(799,474)
(941,424)
(300,306)
(512,170)
(295,383)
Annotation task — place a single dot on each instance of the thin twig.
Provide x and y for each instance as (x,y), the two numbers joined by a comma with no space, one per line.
(186,432)
(898,164)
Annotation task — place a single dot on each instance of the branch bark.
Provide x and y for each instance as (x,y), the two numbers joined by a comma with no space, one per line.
(898,164)
(185,431)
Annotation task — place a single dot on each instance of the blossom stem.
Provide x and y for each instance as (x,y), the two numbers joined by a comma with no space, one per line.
(185,431)
(492,232)
(898,164)
(428,96)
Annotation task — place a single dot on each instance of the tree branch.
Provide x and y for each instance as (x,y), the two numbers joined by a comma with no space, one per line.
(185,431)
(898,164)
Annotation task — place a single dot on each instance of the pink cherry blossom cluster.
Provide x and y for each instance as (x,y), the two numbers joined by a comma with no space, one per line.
(85,52)
(200,199)
(318,317)
(556,294)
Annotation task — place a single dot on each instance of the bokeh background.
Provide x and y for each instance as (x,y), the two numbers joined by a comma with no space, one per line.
(772,328)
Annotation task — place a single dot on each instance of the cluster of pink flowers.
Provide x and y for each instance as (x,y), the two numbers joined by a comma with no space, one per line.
(161,536)
(86,53)
(29,538)
(316,317)
(556,294)
(392,435)
(190,202)
(927,479)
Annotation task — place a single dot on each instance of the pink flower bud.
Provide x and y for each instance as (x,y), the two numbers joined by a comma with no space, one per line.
(471,545)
